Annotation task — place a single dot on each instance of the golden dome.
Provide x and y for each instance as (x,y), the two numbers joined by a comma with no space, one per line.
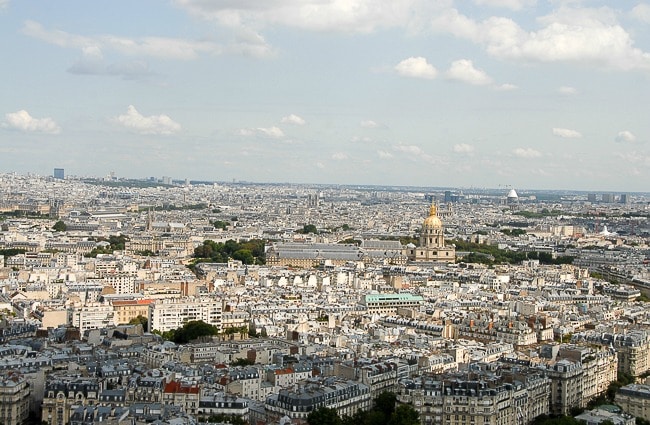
(432,221)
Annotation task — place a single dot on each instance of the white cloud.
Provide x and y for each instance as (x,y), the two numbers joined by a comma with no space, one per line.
(3,3)
(634,157)
(566,133)
(508,4)
(641,12)
(365,139)
(579,35)
(463,70)
(157,47)
(266,132)
(320,165)
(384,154)
(272,132)
(92,63)
(339,156)
(416,67)
(293,119)
(23,121)
(567,90)
(352,16)
(526,153)
(245,132)
(463,148)
(409,149)
(506,87)
(625,136)
(154,124)
(369,124)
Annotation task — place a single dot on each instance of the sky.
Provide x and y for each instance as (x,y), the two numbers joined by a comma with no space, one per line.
(527,94)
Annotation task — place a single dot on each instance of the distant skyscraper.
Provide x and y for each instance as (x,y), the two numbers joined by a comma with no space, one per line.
(608,198)
(591,197)
(59,173)
(624,199)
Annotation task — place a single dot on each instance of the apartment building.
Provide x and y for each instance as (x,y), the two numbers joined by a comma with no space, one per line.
(477,397)
(14,399)
(347,397)
(62,395)
(173,313)
(635,400)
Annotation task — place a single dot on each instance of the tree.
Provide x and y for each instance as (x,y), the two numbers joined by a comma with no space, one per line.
(59,226)
(350,241)
(308,228)
(404,414)
(242,362)
(385,402)
(140,320)
(248,252)
(190,331)
(244,255)
(219,224)
(324,416)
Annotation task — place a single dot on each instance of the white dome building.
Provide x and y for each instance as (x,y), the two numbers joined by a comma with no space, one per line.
(512,197)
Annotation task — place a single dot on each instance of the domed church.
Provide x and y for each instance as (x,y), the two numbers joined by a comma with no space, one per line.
(432,242)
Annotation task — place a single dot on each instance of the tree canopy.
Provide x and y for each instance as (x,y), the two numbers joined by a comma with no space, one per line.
(140,320)
(308,228)
(248,252)
(220,224)
(491,254)
(115,243)
(190,331)
(59,226)
(324,416)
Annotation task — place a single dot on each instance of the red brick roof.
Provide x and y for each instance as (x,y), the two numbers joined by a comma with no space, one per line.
(177,387)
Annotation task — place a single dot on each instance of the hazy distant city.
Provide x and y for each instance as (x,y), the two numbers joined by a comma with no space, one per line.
(176,301)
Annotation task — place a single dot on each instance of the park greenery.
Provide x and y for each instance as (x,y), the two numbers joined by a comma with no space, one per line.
(10,252)
(115,243)
(248,252)
(220,224)
(513,232)
(491,254)
(385,411)
(193,330)
(140,320)
(350,241)
(308,228)
(189,332)
(240,361)
(59,226)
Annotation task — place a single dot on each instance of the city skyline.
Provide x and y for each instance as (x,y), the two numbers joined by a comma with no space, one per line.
(488,93)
